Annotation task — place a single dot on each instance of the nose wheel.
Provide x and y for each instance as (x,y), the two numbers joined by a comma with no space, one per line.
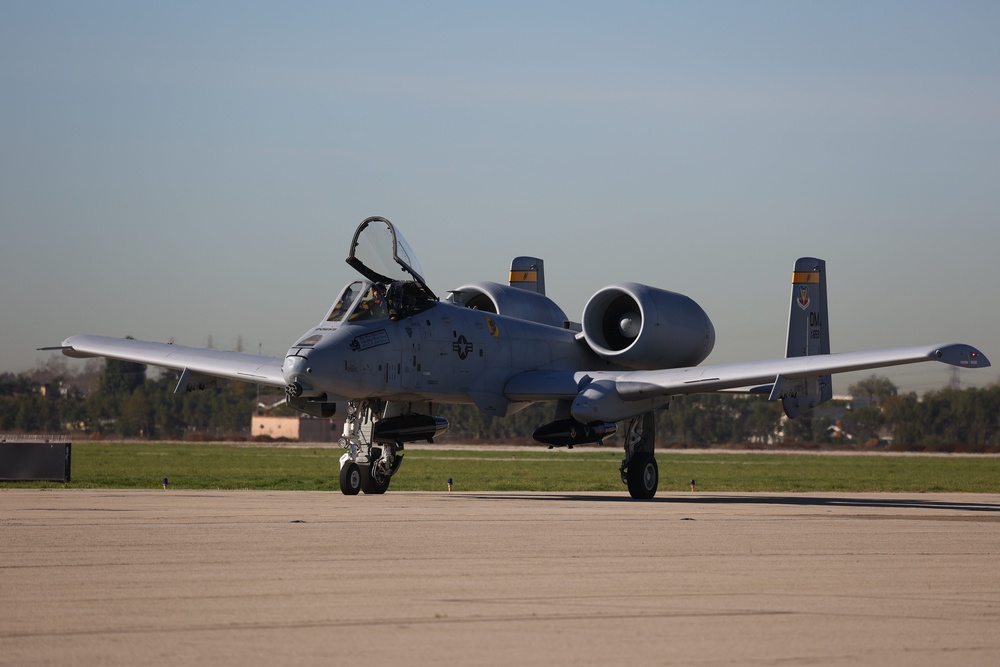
(350,479)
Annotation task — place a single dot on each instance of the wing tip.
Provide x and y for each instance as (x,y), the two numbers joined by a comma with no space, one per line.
(961,355)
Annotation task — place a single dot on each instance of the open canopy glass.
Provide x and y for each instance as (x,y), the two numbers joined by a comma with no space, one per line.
(381,254)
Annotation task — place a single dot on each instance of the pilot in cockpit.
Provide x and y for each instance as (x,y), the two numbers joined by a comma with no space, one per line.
(394,299)
(342,305)
(379,307)
(372,306)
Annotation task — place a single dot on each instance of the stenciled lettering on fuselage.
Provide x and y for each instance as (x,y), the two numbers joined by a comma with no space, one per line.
(370,340)
(462,346)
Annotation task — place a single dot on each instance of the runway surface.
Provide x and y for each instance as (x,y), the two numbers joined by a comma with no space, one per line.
(261,578)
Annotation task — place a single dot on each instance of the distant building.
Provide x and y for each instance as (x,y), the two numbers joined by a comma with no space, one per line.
(304,429)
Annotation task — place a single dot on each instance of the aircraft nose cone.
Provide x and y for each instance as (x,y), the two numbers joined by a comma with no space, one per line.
(294,368)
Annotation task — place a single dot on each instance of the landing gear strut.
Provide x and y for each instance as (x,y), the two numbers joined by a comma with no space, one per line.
(384,464)
(639,470)
(366,466)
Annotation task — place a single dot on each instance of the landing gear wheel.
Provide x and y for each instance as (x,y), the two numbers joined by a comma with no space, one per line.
(350,479)
(643,476)
(369,484)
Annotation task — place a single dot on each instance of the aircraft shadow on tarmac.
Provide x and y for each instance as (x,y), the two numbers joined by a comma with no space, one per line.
(764,499)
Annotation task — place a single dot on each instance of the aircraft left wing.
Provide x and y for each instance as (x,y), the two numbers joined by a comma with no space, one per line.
(614,396)
(193,361)
(643,384)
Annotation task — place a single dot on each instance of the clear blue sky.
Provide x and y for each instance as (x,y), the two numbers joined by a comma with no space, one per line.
(192,169)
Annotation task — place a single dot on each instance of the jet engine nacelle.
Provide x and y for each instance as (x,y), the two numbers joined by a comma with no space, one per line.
(643,327)
(509,301)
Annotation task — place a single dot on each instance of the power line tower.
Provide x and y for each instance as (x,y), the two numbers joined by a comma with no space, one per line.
(955,381)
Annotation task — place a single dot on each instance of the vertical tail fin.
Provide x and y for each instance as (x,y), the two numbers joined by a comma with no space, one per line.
(808,335)
(528,273)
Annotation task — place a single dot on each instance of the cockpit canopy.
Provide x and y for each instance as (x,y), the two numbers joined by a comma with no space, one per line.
(381,254)
(394,288)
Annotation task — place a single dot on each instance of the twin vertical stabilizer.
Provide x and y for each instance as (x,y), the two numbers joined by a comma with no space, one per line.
(528,273)
(808,335)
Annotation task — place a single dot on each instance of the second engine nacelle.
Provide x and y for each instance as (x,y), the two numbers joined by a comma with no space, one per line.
(510,301)
(643,327)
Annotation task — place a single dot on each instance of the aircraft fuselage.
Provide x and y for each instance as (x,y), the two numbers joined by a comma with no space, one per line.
(443,354)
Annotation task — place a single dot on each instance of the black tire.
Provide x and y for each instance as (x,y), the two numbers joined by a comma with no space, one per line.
(643,476)
(369,484)
(350,479)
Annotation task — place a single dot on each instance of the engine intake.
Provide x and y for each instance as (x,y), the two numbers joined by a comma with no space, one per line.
(643,327)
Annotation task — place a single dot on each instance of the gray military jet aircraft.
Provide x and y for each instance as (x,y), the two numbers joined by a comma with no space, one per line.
(389,350)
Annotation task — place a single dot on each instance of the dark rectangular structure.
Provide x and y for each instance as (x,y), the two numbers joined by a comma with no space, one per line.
(34,461)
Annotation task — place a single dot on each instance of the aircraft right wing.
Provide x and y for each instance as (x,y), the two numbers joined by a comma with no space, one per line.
(196,363)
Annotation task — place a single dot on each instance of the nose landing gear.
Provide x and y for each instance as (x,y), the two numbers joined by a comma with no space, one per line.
(367,466)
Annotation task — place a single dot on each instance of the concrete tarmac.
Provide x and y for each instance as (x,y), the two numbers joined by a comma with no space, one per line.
(173,577)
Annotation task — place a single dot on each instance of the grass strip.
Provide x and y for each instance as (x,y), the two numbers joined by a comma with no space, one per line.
(195,466)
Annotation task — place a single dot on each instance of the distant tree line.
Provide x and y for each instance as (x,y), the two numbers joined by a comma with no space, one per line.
(117,398)
(120,400)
